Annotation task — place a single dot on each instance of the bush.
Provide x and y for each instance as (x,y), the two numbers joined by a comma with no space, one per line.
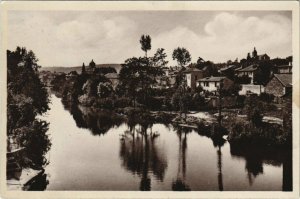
(265,97)
(122,102)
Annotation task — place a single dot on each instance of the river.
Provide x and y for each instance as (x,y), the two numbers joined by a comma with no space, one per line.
(88,155)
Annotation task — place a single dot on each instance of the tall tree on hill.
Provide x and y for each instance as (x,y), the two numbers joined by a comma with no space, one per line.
(145,43)
(83,69)
(182,56)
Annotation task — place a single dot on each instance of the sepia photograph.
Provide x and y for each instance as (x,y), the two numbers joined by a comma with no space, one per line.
(169,100)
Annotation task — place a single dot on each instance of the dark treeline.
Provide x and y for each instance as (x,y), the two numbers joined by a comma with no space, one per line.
(27,98)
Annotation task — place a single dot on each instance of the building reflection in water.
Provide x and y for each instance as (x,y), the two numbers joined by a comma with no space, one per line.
(256,157)
(180,183)
(140,155)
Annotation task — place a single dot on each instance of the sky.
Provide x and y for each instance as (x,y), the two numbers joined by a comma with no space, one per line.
(69,38)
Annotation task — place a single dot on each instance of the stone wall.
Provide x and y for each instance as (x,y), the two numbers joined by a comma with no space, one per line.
(275,87)
(251,88)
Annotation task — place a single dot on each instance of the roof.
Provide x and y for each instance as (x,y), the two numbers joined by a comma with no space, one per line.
(248,69)
(285,79)
(112,76)
(263,55)
(211,79)
(192,70)
(284,66)
(227,67)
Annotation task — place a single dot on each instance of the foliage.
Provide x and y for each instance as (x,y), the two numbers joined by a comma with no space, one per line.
(83,69)
(266,97)
(254,109)
(27,98)
(182,56)
(263,74)
(136,76)
(246,133)
(159,58)
(181,100)
(145,43)
(104,89)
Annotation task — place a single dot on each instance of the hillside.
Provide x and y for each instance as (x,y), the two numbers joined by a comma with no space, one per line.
(77,68)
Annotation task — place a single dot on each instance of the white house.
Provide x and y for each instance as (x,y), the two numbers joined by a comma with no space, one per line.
(212,84)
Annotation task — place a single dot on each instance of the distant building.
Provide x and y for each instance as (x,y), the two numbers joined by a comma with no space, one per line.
(279,85)
(91,68)
(113,78)
(248,71)
(191,76)
(212,84)
(283,69)
(71,75)
(255,56)
(229,71)
(263,57)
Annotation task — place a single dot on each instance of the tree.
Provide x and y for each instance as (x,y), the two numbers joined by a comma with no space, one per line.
(27,98)
(264,72)
(182,56)
(158,62)
(248,57)
(181,100)
(83,69)
(159,58)
(254,109)
(104,89)
(133,76)
(145,43)
(200,61)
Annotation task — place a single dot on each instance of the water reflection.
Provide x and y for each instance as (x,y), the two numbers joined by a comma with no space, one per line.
(39,183)
(256,157)
(144,155)
(140,155)
(96,120)
(180,183)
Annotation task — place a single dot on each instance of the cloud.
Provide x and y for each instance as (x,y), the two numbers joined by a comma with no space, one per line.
(228,36)
(69,38)
(70,42)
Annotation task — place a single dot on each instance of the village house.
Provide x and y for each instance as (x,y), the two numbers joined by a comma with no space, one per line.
(284,69)
(263,57)
(248,71)
(212,84)
(113,78)
(191,77)
(279,85)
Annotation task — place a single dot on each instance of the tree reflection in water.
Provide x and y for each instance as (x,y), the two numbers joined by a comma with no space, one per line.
(180,183)
(39,184)
(256,157)
(140,154)
(97,121)
(219,142)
